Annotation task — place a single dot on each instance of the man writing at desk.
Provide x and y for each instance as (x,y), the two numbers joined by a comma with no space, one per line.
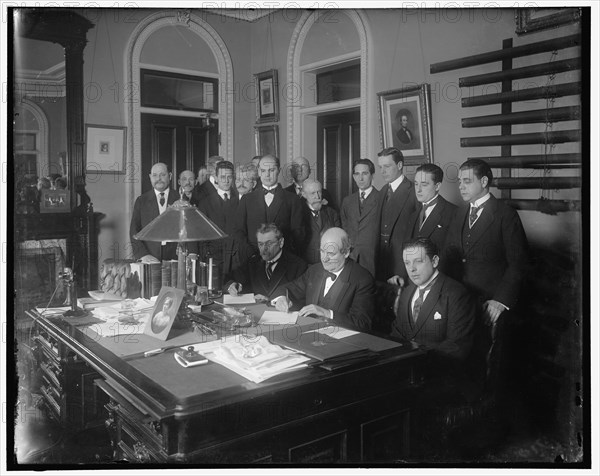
(336,289)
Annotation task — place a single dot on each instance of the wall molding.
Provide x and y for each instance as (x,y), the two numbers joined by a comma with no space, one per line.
(294,77)
(132,65)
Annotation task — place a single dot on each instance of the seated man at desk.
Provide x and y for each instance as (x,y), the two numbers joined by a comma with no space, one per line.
(274,266)
(435,311)
(337,289)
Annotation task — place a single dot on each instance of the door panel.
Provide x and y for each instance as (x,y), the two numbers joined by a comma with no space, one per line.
(180,142)
(338,146)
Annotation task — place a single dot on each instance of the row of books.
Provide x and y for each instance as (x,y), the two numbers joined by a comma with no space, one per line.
(146,279)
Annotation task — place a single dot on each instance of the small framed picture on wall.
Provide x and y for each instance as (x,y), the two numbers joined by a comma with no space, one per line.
(267,99)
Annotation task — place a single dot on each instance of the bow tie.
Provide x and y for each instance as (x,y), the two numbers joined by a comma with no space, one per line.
(330,275)
(267,191)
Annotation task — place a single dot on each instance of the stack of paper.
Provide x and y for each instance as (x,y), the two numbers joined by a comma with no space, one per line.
(252,357)
(119,321)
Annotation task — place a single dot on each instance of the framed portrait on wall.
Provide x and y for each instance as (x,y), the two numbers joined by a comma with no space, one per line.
(530,20)
(267,99)
(267,140)
(405,122)
(105,149)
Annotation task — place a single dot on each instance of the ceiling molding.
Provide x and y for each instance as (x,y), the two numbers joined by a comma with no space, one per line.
(243,14)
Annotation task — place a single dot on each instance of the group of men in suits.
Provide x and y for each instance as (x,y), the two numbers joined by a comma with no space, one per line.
(460,269)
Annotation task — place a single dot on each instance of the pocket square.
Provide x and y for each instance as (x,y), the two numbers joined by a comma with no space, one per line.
(439,226)
(437,316)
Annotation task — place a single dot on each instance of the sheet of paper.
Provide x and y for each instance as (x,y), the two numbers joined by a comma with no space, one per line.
(241,299)
(278,317)
(337,332)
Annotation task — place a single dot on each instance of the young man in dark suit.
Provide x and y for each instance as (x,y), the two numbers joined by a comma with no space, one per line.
(146,208)
(318,217)
(220,205)
(486,249)
(436,214)
(274,266)
(396,205)
(359,215)
(337,289)
(435,311)
(269,204)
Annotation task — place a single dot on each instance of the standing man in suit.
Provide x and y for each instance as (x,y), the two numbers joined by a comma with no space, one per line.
(337,289)
(269,204)
(396,205)
(274,266)
(246,179)
(146,208)
(436,214)
(359,215)
(220,205)
(486,249)
(186,181)
(318,217)
(435,311)
(300,171)
(202,189)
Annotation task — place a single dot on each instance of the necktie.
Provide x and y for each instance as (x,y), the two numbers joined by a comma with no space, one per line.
(424,210)
(473,215)
(225,197)
(361,202)
(315,213)
(269,269)
(389,193)
(162,199)
(419,302)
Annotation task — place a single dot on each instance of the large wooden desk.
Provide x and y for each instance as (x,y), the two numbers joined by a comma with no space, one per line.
(158,411)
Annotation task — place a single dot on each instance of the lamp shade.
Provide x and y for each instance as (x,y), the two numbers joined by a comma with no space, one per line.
(181,222)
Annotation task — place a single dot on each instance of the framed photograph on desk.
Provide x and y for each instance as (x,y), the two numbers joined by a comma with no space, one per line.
(164,312)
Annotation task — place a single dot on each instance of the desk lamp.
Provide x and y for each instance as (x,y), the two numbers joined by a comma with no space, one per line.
(181,222)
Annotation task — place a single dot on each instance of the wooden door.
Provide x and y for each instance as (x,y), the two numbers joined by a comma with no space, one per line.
(180,142)
(338,146)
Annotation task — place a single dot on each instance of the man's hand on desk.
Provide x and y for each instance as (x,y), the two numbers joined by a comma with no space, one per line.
(149,259)
(282,303)
(261,298)
(315,311)
(235,289)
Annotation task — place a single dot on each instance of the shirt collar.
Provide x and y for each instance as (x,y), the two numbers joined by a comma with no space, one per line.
(396,183)
(367,191)
(434,198)
(277,256)
(435,275)
(165,191)
(270,188)
(481,201)
(223,192)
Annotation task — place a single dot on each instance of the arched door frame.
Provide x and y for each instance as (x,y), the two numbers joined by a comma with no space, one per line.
(295,134)
(142,32)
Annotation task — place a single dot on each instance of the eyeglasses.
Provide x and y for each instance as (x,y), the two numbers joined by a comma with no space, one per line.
(267,244)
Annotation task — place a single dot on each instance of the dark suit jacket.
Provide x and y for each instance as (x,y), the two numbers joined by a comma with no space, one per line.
(253,277)
(201,191)
(362,228)
(328,218)
(326,195)
(446,320)
(145,210)
(285,211)
(394,223)
(352,293)
(437,223)
(495,262)
(223,215)
(405,135)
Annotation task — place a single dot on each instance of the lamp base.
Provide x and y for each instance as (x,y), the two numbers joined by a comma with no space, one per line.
(76,313)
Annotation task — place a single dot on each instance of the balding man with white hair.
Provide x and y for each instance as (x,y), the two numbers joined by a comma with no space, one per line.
(147,207)
(337,289)
(318,217)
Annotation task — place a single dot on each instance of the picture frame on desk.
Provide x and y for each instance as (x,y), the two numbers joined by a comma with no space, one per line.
(405,122)
(164,312)
(105,149)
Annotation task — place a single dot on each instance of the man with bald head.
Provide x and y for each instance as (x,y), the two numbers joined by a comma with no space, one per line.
(300,171)
(186,181)
(318,217)
(147,207)
(337,289)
